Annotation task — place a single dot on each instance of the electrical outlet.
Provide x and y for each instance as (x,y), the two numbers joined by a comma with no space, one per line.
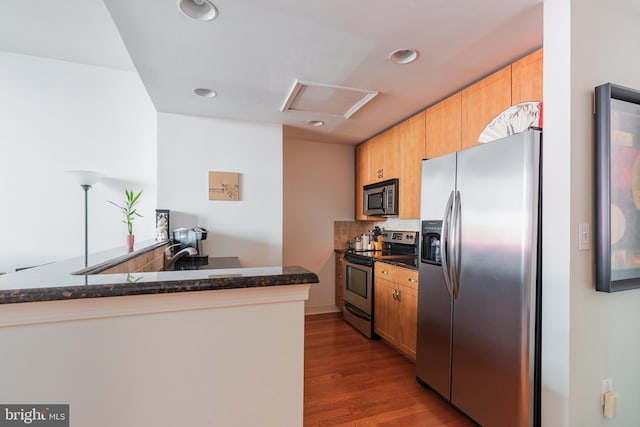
(607,385)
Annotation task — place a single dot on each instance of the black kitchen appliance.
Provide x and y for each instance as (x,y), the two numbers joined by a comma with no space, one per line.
(397,246)
(190,237)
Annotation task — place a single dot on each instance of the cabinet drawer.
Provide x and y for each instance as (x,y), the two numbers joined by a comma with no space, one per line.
(386,271)
(408,278)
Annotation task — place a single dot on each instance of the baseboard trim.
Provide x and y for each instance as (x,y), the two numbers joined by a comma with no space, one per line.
(321,316)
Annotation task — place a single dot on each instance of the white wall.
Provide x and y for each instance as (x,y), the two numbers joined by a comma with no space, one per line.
(58,116)
(231,357)
(188,148)
(587,43)
(318,190)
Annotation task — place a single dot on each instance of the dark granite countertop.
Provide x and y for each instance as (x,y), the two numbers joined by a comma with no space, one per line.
(56,281)
(373,255)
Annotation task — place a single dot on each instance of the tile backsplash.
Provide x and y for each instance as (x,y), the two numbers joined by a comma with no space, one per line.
(344,231)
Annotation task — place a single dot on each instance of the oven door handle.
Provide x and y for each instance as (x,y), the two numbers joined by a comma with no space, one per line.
(357,312)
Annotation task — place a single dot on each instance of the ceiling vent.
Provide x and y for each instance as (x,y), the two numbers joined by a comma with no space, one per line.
(326,99)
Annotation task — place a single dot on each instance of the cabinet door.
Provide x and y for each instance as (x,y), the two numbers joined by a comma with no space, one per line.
(339,280)
(385,310)
(526,78)
(361,178)
(443,127)
(384,161)
(483,101)
(376,158)
(411,134)
(408,312)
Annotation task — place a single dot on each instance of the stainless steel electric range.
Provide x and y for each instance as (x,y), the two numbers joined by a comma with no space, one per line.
(398,246)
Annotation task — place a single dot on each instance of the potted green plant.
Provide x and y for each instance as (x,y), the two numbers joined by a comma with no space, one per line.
(130,213)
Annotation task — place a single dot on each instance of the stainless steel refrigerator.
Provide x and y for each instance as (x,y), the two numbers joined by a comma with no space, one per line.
(478,298)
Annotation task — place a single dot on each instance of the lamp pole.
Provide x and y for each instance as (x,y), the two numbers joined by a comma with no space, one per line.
(86,179)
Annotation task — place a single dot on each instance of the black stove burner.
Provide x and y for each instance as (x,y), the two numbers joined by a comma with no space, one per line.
(368,257)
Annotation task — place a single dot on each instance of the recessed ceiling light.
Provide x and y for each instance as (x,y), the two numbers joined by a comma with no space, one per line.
(315,123)
(403,56)
(202,10)
(204,92)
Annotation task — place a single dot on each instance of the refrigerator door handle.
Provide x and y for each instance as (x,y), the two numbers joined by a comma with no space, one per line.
(455,246)
(444,243)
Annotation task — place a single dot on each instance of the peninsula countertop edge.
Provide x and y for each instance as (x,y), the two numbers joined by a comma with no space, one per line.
(57,281)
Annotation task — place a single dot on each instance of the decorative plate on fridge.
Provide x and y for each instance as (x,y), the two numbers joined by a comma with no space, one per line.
(514,119)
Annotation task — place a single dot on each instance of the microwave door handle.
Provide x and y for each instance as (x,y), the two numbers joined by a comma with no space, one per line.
(383,198)
(444,243)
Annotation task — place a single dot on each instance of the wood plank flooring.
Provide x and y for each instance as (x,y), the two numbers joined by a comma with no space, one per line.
(353,381)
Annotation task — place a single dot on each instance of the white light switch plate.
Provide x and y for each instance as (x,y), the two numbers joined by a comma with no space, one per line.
(584,237)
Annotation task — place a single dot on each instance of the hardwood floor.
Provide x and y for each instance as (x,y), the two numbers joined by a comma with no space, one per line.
(353,381)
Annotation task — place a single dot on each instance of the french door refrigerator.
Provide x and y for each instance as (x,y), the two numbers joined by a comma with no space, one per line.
(478,298)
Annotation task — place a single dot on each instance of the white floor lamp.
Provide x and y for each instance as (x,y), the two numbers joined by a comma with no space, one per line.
(86,179)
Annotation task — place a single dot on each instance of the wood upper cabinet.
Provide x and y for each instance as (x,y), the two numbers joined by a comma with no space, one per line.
(396,307)
(362,179)
(410,134)
(443,127)
(384,162)
(526,78)
(483,101)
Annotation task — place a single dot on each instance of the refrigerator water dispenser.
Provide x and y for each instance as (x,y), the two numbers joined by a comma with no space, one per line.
(430,250)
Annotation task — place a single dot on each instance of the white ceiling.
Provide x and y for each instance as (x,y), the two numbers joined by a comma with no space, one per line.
(70,30)
(255,50)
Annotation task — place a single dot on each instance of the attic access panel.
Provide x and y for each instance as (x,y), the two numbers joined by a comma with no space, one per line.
(326,99)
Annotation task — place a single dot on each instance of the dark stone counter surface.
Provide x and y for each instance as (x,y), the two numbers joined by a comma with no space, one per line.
(373,254)
(56,281)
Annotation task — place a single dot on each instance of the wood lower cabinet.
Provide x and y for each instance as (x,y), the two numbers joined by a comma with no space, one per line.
(481,102)
(443,127)
(396,307)
(146,262)
(526,78)
(339,280)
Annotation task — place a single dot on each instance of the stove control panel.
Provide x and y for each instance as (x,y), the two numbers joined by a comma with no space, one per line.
(402,237)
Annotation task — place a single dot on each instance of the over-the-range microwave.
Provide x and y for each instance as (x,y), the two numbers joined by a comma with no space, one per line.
(381,198)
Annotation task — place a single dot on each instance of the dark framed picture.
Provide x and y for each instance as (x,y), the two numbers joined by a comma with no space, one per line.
(162,224)
(617,171)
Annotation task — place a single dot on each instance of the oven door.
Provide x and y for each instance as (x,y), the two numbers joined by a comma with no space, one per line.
(358,289)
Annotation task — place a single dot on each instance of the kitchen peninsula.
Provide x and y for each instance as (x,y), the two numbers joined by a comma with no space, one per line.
(165,348)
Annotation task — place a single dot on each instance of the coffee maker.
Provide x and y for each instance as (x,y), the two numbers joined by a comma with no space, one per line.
(190,237)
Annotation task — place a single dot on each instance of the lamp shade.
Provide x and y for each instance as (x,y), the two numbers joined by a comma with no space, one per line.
(85,177)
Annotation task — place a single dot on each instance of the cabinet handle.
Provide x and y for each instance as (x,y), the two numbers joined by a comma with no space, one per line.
(393,294)
(384,272)
(412,280)
(398,295)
